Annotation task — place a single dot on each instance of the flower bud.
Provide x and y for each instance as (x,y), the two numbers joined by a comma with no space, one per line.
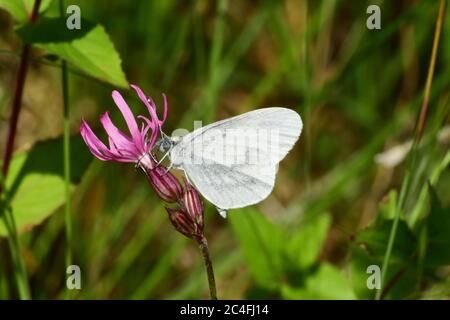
(165,184)
(182,222)
(193,204)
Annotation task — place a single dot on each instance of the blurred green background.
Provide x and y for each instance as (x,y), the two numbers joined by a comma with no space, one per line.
(358,91)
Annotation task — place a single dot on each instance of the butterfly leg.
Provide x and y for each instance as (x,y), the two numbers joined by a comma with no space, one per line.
(138,163)
(163,157)
(168,168)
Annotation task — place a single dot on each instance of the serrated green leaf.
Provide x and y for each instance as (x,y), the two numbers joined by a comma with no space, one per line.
(375,238)
(21,9)
(262,243)
(35,180)
(370,248)
(90,49)
(401,280)
(304,245)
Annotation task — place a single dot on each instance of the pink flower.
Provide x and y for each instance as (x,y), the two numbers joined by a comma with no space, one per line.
(122,147)
(187,215)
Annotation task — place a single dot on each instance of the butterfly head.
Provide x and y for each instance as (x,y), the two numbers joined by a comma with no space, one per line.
(166,143)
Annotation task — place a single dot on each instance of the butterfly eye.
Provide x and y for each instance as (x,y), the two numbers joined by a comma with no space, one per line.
(164,145)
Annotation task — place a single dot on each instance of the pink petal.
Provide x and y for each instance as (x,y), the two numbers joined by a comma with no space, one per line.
(128,115)
(112,146)
(117,136)
(151,109)
(121,155)
(164,111)
(94,144)
(145,128)
(154,134)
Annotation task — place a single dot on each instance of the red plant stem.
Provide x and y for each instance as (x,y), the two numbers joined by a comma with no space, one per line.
(17,102)
(426,98)
(208,265)
(392,283)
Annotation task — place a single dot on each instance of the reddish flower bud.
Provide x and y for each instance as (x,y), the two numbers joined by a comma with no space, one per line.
(193,204)
(165,184)
(182,222)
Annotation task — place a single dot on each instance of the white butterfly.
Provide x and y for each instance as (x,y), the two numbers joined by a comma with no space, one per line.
(233,162)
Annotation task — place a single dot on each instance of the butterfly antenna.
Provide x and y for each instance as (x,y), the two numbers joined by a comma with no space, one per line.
(161,133)
(138,163)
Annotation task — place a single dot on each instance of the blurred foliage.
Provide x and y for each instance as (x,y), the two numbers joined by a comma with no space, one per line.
(329,218)
(35,181)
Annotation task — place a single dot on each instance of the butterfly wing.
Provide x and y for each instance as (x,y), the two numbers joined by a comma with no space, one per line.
(232,187)
(233,162)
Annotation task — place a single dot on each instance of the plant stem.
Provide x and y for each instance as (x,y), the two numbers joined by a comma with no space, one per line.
(20,271)
(209,268)
(307,105)
(392,235)
(17,101)
(392,283)
(8,216)
(426,98)
(66,142)
(411,156)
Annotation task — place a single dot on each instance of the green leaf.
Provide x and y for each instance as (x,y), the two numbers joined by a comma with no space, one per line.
(374,239)
(21,9)
(401,279)
(327,282)
(304,245)
(438,233)
(35,180)
(370,248)
(360,261)
(262,245)
(90,49)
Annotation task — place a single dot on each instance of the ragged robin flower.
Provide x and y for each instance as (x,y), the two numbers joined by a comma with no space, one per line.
(134,148)
(187,213)
(187,216)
